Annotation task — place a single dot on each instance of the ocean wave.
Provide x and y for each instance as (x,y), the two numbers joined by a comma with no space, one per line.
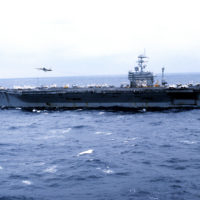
(103,133)
(156,123)
(101,113)
(79,109)
(79,126)
(50,137)
(13,127)
(27,182)
(52,169)
(67,130)
(39,164)
(18,176)
(122,173)
(95,160)
(57,131)
(107,170)
(176,160)
(76,177)
(16,198)
(90,151)
(189,142)
(129,139)
(36,111)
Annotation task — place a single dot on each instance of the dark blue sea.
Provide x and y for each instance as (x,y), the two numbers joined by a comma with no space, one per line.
(98,154)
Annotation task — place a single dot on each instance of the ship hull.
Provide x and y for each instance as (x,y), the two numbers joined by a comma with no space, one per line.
(124,98)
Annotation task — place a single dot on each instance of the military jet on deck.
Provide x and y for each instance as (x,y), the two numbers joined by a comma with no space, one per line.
(44,69)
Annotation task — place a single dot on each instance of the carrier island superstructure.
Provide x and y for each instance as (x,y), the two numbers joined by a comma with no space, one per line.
(141,93)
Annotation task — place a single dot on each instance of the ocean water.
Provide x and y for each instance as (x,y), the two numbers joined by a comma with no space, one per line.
(98,154)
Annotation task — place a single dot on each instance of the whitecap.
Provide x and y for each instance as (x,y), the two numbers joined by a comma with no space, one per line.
(100,113)
(189,142)
(85,152)
(55,131)
(107,171)
(52,169)
(130,139)
(67,130)
(40,164)
(1,167)
(36,111)
(143,110)
(103,133)
(98,168)
(27,182)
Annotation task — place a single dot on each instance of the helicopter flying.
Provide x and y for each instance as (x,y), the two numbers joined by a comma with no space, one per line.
(45,69)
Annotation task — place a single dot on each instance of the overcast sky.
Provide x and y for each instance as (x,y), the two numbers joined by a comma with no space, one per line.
(97,37)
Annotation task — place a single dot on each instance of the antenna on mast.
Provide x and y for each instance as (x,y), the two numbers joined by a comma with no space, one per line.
(163,80)
(141,61)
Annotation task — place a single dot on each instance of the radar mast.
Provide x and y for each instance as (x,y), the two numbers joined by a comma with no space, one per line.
(141,62)
(141,78)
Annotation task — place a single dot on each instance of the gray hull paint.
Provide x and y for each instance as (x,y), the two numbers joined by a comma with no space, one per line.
(101,98)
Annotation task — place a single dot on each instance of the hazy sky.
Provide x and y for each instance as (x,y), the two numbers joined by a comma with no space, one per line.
(95,37)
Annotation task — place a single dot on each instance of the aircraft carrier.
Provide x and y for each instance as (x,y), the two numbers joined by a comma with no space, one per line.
(141,93)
